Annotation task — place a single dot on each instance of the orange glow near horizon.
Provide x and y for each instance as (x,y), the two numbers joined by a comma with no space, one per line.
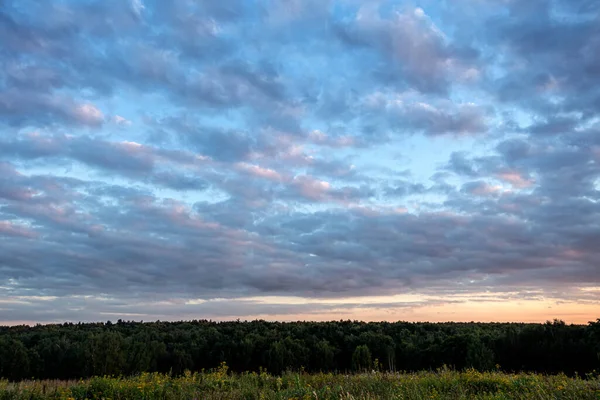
(411,308)
(522,311)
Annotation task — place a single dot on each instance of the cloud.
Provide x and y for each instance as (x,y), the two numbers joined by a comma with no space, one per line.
(179,181)
(323,139)
(464,119)
(130,159)
(255,170)
(409,112)
(412,49)
(560,55)
(224,145)
(515,179)
(88,114)
(22,107)
(7,228)
(321,149)
(117,119)
(137,7)
(480,188)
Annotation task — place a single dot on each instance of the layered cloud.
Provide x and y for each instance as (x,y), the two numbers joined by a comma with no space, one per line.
(295,159)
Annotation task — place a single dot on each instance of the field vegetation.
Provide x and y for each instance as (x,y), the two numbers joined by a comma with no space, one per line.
(221,384)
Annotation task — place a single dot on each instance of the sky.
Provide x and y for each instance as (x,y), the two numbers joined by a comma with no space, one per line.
(416,160)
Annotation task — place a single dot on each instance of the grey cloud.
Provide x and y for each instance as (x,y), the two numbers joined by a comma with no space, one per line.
(30,77)
(479,188)
(78,308)
(19,107)
(9,229)
(183,11)
(131,160)
(310,189)
(407,114)
(170,248)
(180,182)
(404,188)
(224,145)
(140,60)
(264,78)
(117,156)
(431,121)
(460,164)
(561,54)
(112,156)
(411,47)
(230,86)
(514,150)
(554,126)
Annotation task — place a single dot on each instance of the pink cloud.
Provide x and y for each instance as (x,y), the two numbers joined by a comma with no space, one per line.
(8,228)
(311,188)
(323,139)
(482,189)
(255,170)
(88,114)
(515,179)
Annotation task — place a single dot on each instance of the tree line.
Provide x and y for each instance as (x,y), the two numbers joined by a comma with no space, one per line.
(71,351)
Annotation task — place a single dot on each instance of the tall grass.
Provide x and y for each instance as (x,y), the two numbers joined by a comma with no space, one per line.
(220,384)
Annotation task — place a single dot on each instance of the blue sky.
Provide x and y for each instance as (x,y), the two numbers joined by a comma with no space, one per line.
(299,159)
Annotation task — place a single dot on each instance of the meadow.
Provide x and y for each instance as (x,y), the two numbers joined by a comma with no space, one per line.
(222,384)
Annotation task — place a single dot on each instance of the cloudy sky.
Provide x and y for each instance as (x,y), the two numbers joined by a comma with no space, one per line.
(299,159)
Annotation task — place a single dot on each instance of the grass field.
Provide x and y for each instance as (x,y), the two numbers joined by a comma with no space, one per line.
(219,384)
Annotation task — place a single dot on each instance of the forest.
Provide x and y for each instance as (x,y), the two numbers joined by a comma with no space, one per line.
(82,350)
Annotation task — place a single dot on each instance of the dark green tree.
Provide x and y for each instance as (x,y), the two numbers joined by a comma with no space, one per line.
(361,358)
